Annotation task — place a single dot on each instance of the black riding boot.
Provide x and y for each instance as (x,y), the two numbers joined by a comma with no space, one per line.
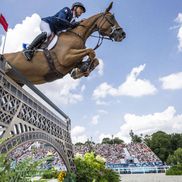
(29,52)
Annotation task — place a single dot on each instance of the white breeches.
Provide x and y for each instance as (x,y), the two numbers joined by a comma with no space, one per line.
(44,27)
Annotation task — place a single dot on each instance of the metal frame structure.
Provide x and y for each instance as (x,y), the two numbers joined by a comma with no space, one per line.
(23,118)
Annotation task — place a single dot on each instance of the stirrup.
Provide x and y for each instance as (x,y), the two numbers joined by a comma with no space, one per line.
(28,53)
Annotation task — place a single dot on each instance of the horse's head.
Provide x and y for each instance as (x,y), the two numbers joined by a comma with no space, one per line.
(108,26)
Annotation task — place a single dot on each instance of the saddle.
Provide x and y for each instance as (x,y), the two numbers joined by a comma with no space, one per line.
(50,44)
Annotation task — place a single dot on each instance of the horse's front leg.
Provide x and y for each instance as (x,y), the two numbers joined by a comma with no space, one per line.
(84,68)
(76,55)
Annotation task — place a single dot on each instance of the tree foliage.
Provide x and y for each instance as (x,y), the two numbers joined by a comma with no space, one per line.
(79,144)
(19,172)
(135,138)
(10,171)
(175,170)
(163,144)
(116,140)
(176,158)
(92,168)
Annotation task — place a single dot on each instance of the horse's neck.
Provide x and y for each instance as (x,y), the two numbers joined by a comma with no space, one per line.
(87,27)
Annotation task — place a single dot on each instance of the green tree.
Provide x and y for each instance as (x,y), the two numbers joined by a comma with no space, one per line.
(21,172)
(92,168)
(135,138)
(176,158)
(79,144)
(178,154)
(117,140)
(147,139)
(171,160)
(106,141)
(176,141)
(176,162)
(160,144)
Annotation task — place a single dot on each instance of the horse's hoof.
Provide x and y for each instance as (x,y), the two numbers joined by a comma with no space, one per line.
(7,67)
(76,73)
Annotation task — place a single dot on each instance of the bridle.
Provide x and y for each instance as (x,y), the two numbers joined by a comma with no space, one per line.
(113,27)
(101,37)
(102,22)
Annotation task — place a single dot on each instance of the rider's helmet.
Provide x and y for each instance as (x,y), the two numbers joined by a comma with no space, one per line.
(78,4)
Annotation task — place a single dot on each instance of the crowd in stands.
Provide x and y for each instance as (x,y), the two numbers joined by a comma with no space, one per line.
(142,152)
(37,151)
(118,153)
(113,153)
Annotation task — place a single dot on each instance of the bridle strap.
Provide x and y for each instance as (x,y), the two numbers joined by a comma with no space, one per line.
(100,37)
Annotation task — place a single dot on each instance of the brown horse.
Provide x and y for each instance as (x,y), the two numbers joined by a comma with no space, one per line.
(69,50)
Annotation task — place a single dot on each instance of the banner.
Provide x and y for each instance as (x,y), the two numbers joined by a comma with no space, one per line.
(3,22)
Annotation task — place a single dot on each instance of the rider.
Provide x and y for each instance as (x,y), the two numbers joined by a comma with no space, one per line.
(51,25)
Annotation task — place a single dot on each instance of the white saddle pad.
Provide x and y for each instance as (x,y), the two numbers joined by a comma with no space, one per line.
(51,44)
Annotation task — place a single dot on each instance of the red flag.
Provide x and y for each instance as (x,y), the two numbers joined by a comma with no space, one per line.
(3,22)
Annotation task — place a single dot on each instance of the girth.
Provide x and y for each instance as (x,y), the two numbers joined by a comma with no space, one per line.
(53,74)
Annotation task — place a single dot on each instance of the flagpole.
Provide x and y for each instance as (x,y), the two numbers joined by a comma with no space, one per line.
(4,43)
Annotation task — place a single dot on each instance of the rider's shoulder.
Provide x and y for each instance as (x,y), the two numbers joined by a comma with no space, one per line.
(66,10)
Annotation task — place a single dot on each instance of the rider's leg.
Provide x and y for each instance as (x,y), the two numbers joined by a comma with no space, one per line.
(44,27)
(37,42)
(29,52)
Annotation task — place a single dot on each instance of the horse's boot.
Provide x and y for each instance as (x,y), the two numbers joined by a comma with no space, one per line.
(88,65)
(85,65)
(84,69)
(37,42)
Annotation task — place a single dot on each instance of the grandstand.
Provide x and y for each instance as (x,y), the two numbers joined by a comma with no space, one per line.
(129,158)
(37,151)
(126,158)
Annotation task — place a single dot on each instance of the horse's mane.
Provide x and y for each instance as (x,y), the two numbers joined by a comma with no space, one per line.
(83,21)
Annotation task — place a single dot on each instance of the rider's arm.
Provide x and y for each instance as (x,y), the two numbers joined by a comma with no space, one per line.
(64,17)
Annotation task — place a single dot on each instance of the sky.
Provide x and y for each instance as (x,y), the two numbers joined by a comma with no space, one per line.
(138,84)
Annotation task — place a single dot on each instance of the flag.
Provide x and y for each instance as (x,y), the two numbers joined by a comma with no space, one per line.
(3,22)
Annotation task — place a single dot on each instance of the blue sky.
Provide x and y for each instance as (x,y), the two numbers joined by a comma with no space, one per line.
(138,83)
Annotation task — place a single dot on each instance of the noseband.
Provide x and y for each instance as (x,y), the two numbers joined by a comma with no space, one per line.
(113,27)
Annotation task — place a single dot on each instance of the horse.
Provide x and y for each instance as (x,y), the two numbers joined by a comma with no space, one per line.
(68,52)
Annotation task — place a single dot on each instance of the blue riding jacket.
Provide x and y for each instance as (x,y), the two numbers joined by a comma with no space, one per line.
(60,21)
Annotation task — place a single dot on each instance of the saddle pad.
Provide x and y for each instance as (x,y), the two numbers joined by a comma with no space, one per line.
(51,44)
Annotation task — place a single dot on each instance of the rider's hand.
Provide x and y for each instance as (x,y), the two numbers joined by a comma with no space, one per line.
(82,20)
(75,24)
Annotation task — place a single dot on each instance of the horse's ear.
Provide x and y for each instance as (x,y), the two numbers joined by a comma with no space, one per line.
(109,7)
